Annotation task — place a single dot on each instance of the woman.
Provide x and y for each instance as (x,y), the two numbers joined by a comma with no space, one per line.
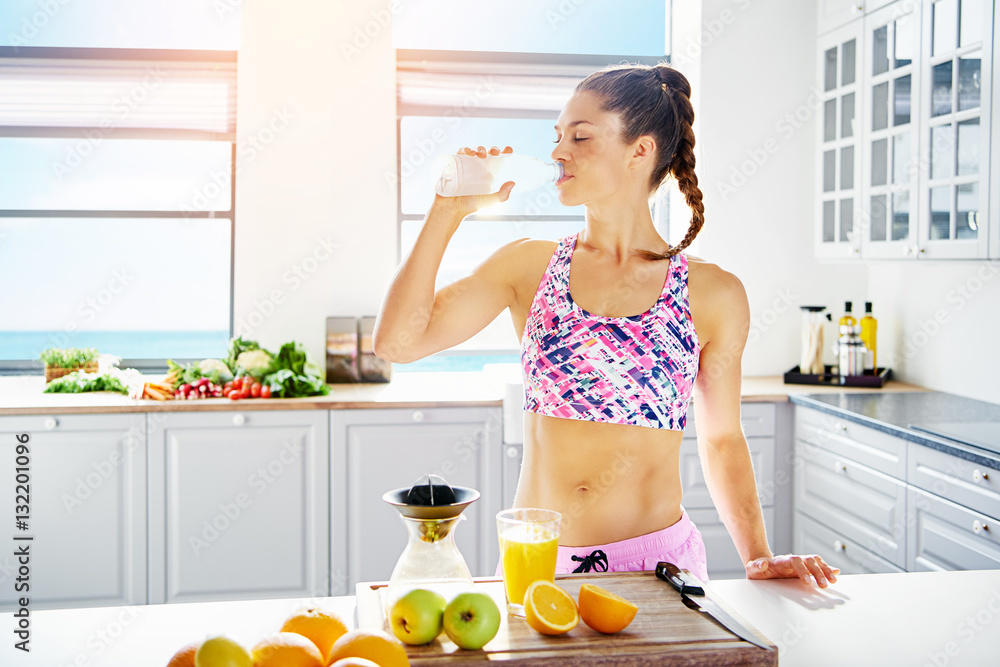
(617,330)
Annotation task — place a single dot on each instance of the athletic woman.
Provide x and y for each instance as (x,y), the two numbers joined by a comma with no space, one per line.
(618,330)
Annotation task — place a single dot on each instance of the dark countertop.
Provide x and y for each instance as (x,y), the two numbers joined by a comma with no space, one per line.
(893,413)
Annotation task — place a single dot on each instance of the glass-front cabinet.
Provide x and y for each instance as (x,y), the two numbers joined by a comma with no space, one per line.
(889,174)
(957,38)
(839,156)
(904,139)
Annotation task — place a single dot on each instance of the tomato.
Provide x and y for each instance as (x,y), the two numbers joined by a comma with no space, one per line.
(245,390)
(238,382)
(265,391)
(226,387)
(234,395)
(255,390)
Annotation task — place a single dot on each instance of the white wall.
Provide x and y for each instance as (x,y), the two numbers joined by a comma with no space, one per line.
(318,179)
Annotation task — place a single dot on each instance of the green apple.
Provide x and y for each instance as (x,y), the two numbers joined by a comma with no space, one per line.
(471,620)
(416,617)
(221,652)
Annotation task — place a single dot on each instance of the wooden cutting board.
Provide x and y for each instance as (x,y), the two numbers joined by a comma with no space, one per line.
(663,630)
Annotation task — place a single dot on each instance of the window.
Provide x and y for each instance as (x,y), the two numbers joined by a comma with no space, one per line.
(117,163)
(503,86)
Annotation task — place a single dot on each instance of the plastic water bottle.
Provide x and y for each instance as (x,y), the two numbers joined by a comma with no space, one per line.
(462,175)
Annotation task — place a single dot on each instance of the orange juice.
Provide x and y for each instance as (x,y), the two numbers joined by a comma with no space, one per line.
(528,553)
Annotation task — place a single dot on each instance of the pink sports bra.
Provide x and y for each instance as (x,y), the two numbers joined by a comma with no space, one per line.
(637,370)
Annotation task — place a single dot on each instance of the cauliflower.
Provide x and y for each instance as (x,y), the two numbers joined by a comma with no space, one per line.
(208,366)
(254,362)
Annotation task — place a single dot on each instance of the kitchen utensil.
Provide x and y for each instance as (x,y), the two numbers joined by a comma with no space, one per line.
(529,541)
(813,321)
(688,584)
(850,351)
(430,510)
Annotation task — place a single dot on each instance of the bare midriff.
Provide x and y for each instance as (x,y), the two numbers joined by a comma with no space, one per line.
(610,482)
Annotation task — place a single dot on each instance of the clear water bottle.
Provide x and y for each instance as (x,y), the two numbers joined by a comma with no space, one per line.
(462,175)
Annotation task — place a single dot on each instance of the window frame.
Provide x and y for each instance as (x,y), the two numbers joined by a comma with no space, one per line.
(148,365)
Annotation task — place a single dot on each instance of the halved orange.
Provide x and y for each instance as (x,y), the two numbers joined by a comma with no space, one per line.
(549,609)
(604,611)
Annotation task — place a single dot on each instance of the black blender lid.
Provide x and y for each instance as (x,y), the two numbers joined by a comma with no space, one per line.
(431,498)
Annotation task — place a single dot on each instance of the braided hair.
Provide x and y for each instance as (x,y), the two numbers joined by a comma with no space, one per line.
(656,101)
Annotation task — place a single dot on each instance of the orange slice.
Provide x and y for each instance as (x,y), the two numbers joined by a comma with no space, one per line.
(604,611)
(549,609)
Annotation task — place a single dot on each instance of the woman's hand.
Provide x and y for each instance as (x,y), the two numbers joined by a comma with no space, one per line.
(807,568)
(472,203)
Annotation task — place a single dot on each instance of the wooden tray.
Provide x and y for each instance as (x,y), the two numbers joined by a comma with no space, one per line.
(664,631)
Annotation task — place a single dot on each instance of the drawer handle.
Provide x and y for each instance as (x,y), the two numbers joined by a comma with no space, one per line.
(512,452)
(979,526)
(239,420)
(418,415)
(839,546)
(51,423)
(980,476)
(840,426)
(839,467)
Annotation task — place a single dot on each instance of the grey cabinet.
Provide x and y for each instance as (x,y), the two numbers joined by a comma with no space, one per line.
(87,498)
(238,505)
(374,451)
(759,425)
(871,502)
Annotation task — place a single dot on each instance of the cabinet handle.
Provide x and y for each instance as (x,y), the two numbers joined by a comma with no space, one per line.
(239,420)
(51,423)
(979,476)
(512,452)
(979,526)
(839,467)
(418,415)
(839,546)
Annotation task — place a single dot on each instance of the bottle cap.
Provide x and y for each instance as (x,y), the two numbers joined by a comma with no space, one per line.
(847,306)
(868,306)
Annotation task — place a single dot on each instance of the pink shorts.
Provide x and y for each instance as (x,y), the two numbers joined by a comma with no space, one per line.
(680,544)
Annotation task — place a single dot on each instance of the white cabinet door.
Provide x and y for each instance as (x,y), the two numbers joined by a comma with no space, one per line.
(693,483)
(86,493)
(946,536)
(832,14)
(811,537)
(374,451)
(239,505)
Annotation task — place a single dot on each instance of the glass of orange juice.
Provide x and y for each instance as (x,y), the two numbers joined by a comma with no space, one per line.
(528,541)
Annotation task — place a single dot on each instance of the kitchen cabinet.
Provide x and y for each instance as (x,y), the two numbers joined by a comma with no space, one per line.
(87,499)
(922,90)
(238,505)
(835,13)
(871,502)
(838,174)
(374,451)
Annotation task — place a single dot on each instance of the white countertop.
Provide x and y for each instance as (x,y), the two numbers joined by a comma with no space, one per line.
(889,620)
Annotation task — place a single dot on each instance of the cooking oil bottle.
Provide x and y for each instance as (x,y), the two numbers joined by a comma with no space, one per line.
(869,329)
(847,318)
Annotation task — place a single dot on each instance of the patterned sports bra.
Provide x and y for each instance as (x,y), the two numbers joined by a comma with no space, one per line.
(637,370)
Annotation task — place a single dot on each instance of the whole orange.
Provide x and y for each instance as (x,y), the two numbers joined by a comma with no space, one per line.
(286,649)
(321,627)
(185,656)
(380,647)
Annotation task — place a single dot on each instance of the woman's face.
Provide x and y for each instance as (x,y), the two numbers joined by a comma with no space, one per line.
(589,146)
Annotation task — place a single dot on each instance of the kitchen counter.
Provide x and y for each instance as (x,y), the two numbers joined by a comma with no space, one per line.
(22,395)
(916,618)
(894,412)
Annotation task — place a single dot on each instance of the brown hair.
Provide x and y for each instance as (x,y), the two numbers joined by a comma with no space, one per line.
(656,101)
